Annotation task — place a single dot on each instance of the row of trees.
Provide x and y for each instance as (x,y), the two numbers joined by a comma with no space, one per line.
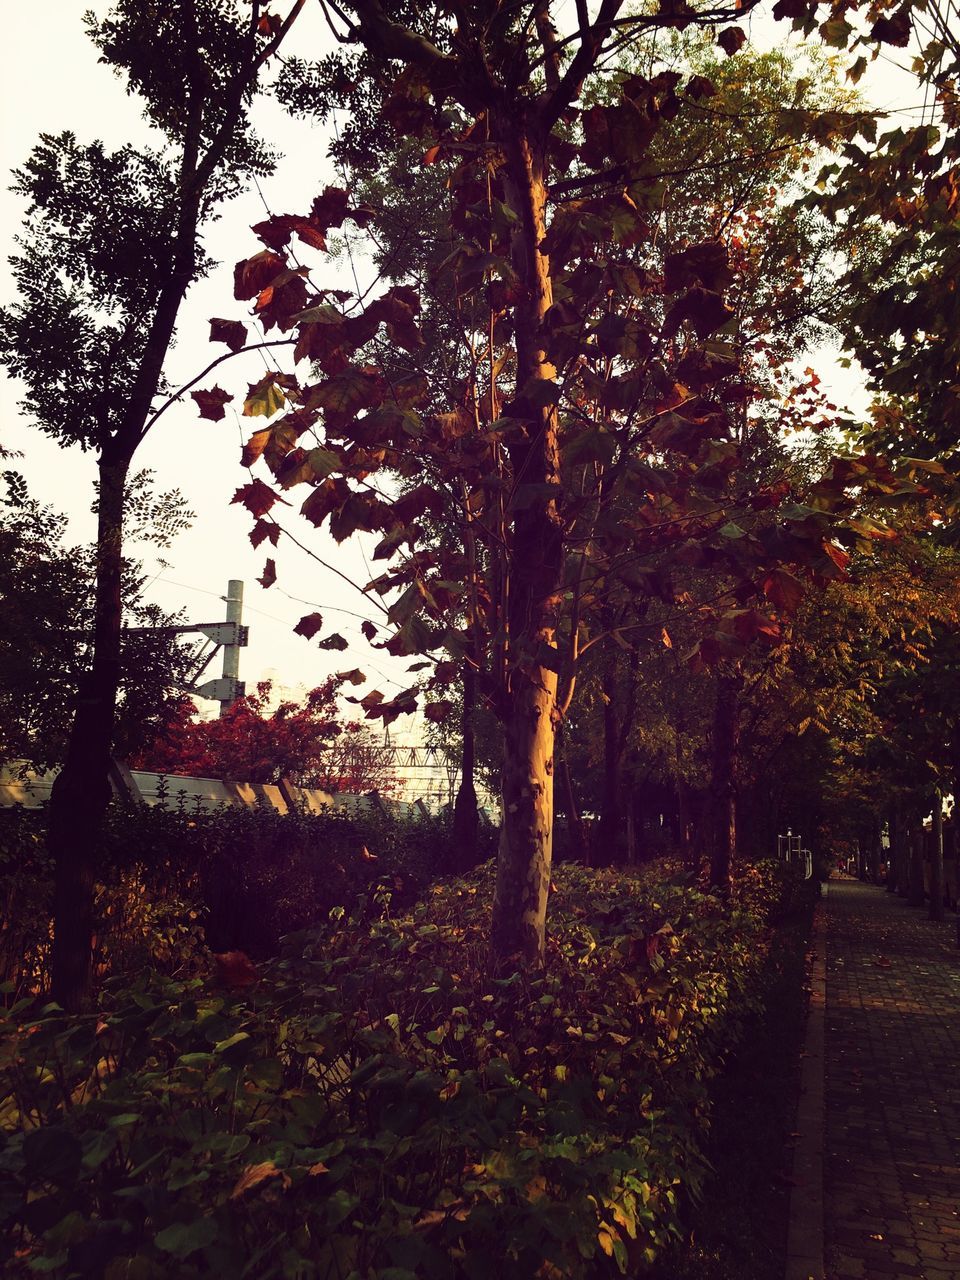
(568,412)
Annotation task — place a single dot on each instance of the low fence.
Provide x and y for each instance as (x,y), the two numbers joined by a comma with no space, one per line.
(20,785)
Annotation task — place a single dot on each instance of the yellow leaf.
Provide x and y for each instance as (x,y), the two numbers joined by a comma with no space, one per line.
(254,1174)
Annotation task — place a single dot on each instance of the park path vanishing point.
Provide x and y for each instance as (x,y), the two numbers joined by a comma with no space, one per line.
(890,1087)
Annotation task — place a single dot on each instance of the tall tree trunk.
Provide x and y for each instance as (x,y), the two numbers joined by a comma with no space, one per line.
(936,859)
(466,816)
(81,793)
(535,566)
(726,734)
(916,893)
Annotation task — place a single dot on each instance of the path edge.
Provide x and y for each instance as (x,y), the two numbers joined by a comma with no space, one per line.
(805,1222)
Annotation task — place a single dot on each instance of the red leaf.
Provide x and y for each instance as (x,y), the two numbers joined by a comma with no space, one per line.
(232,332)
(252,275)
(269,575)
(257,497)
(783,590)
(309,625)
(731,39)
(210,403)
(262,530)
(235,969)
(368,629)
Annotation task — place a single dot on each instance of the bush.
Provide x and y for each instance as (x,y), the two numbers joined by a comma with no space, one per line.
(247,875)
(374,1106)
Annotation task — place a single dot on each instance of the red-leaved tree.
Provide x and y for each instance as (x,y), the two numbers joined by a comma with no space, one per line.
(305,742)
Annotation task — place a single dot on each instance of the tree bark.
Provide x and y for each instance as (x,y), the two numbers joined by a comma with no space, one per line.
(936,859)
(81,793)
(466,816)
(726,733)
(535,566)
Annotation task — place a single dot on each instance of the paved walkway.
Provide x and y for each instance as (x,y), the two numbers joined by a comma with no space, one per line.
(892,1088)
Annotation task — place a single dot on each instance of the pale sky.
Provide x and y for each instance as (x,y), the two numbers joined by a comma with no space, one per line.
(63,87)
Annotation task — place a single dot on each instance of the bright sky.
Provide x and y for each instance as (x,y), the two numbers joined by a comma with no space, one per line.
(67,88)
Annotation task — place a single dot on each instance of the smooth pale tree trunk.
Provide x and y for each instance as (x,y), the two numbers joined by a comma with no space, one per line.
(535,567)
(936,860)
(81,792)
(916,894)
(466,815)
(726,734)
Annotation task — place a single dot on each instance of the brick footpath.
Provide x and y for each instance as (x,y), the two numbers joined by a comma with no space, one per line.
(892,1089)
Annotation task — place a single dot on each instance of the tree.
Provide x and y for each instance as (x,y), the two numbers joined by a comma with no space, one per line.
(578,452)
(111,246)
(46,626)
(306,743)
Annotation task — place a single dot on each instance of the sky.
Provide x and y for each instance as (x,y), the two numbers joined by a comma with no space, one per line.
(67,88)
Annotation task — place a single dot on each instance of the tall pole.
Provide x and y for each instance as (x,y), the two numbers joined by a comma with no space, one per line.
(231,651)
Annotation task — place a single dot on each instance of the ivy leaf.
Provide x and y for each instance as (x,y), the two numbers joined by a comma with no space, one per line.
(210,403)
(232,332)
(309,625)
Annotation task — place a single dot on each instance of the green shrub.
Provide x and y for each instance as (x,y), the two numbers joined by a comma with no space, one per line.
(374,1107)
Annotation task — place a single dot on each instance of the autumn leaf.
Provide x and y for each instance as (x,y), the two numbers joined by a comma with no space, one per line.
(368,629)
(264,398)
(334,641)
(269,575)
(263,530)
(232,332)
(783,590)
(257,497)
(235,969)
(255,1174)
(731,39)
(210,403)
(437,712)
(252,275)
(309,625)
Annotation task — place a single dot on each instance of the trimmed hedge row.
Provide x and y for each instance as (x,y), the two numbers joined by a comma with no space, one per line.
(373,1106)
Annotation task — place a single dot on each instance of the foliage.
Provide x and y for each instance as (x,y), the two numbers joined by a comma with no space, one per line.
(305,742)
(246,876)
(371,1103)
(46,626)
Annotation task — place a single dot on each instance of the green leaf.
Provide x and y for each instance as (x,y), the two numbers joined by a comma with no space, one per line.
(52,1154)
(264,399)
(184,1238)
